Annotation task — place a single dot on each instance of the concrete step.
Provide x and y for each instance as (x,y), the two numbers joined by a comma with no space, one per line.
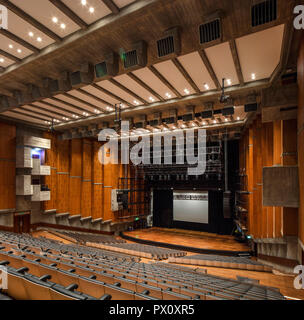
(62,215)
(78,216)
(96,220)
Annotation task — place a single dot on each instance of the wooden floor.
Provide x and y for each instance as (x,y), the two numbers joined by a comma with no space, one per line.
(186,238)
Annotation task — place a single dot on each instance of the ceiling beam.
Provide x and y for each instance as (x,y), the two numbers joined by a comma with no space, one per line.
(112,95)
(47,110)
(69,13)
(82,101)
(122,87)
(57,107)
(164,81)
(39,113)
(208,65)
(186,75)
(23,15)
(23,43)
(27,115)
(90,95)
(71,105)
(236,60)
(144,85)
(111,5)
(9,56)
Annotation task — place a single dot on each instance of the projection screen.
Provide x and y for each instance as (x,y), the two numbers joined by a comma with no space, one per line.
(190,206)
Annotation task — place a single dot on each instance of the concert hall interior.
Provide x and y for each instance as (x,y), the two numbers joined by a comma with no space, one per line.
(151,150)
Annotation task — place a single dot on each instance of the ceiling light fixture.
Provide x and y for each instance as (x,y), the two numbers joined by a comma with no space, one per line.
(19,50)
(206,86)
(39,39)
(229,82)
(62,26)
(151,99)
(136,102)
(186,91)
(55,20)
(31,34)
(91,10)
(253,76)
(84,2)
(1,60)
(238,118)
(168,95)
(11,46)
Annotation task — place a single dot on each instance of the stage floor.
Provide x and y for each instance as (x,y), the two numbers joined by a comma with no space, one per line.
(194,239)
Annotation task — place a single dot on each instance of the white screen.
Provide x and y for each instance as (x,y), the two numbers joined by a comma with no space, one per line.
(190,206)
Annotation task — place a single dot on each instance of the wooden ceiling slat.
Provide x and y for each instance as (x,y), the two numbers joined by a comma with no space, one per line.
(144,85)
(164,81)
(96,86)
(94,97)
(27,115)
(69,13)
(23,43)
(236,60)
(57,107)
(82,101)
(71,105)
(9,56)
(39,113)
(111,5)
(47,110)
(23,15)
(207,63)
(122,87)
(186,75)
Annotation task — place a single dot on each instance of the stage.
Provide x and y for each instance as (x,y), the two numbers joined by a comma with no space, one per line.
(191,241)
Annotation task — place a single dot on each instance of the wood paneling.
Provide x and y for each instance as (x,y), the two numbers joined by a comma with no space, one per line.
(301,136)
(86,191)
(97,183)
(7,166)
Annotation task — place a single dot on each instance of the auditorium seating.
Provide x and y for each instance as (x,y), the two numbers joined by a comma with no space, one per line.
(141,250)
(42,269)
(222,262)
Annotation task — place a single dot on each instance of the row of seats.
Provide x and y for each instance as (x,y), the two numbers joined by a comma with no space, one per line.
(141,250)
(222,262)
(82,238)
(96,275)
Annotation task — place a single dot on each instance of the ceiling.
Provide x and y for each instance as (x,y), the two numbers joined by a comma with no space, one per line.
(47,37)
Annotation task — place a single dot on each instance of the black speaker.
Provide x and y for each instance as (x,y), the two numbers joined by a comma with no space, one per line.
(228,111)
(251,107)
(207,114)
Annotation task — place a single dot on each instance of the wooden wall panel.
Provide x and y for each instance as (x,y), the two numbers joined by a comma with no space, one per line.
(63,178)
(7,166)
(301,136)
(75,176)
(97,183)
(86,191)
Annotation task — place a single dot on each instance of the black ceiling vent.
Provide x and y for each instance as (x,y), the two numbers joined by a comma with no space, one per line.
(137,57)
(207,114)
(251,107)
(264,12)
(170,44)
(210,31)
(165,46)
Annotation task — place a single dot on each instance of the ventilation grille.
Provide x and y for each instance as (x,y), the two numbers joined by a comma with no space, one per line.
(264,12)
(101,70)
(130,59)
(210,31)
(165,46)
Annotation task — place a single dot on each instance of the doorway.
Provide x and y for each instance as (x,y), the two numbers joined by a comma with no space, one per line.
(22,223)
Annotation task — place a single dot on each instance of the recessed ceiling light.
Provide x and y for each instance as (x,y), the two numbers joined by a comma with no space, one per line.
(186,91)
(238,118)
(31,34)
(204,123)
(83,2)
(226,119)
(229,82)
(206,86)
(151,99)
(168,95)
(136,102)
(19,50)
(55,19)
(253,76)
(91,10)
(214,121)
(62,26)
(11,46)
(39,39)
(1,60)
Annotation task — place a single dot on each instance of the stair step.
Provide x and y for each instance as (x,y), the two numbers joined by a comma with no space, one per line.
(97,220)
(85,219)
(75,217)
(107,221)
(61,215)
(52,211)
